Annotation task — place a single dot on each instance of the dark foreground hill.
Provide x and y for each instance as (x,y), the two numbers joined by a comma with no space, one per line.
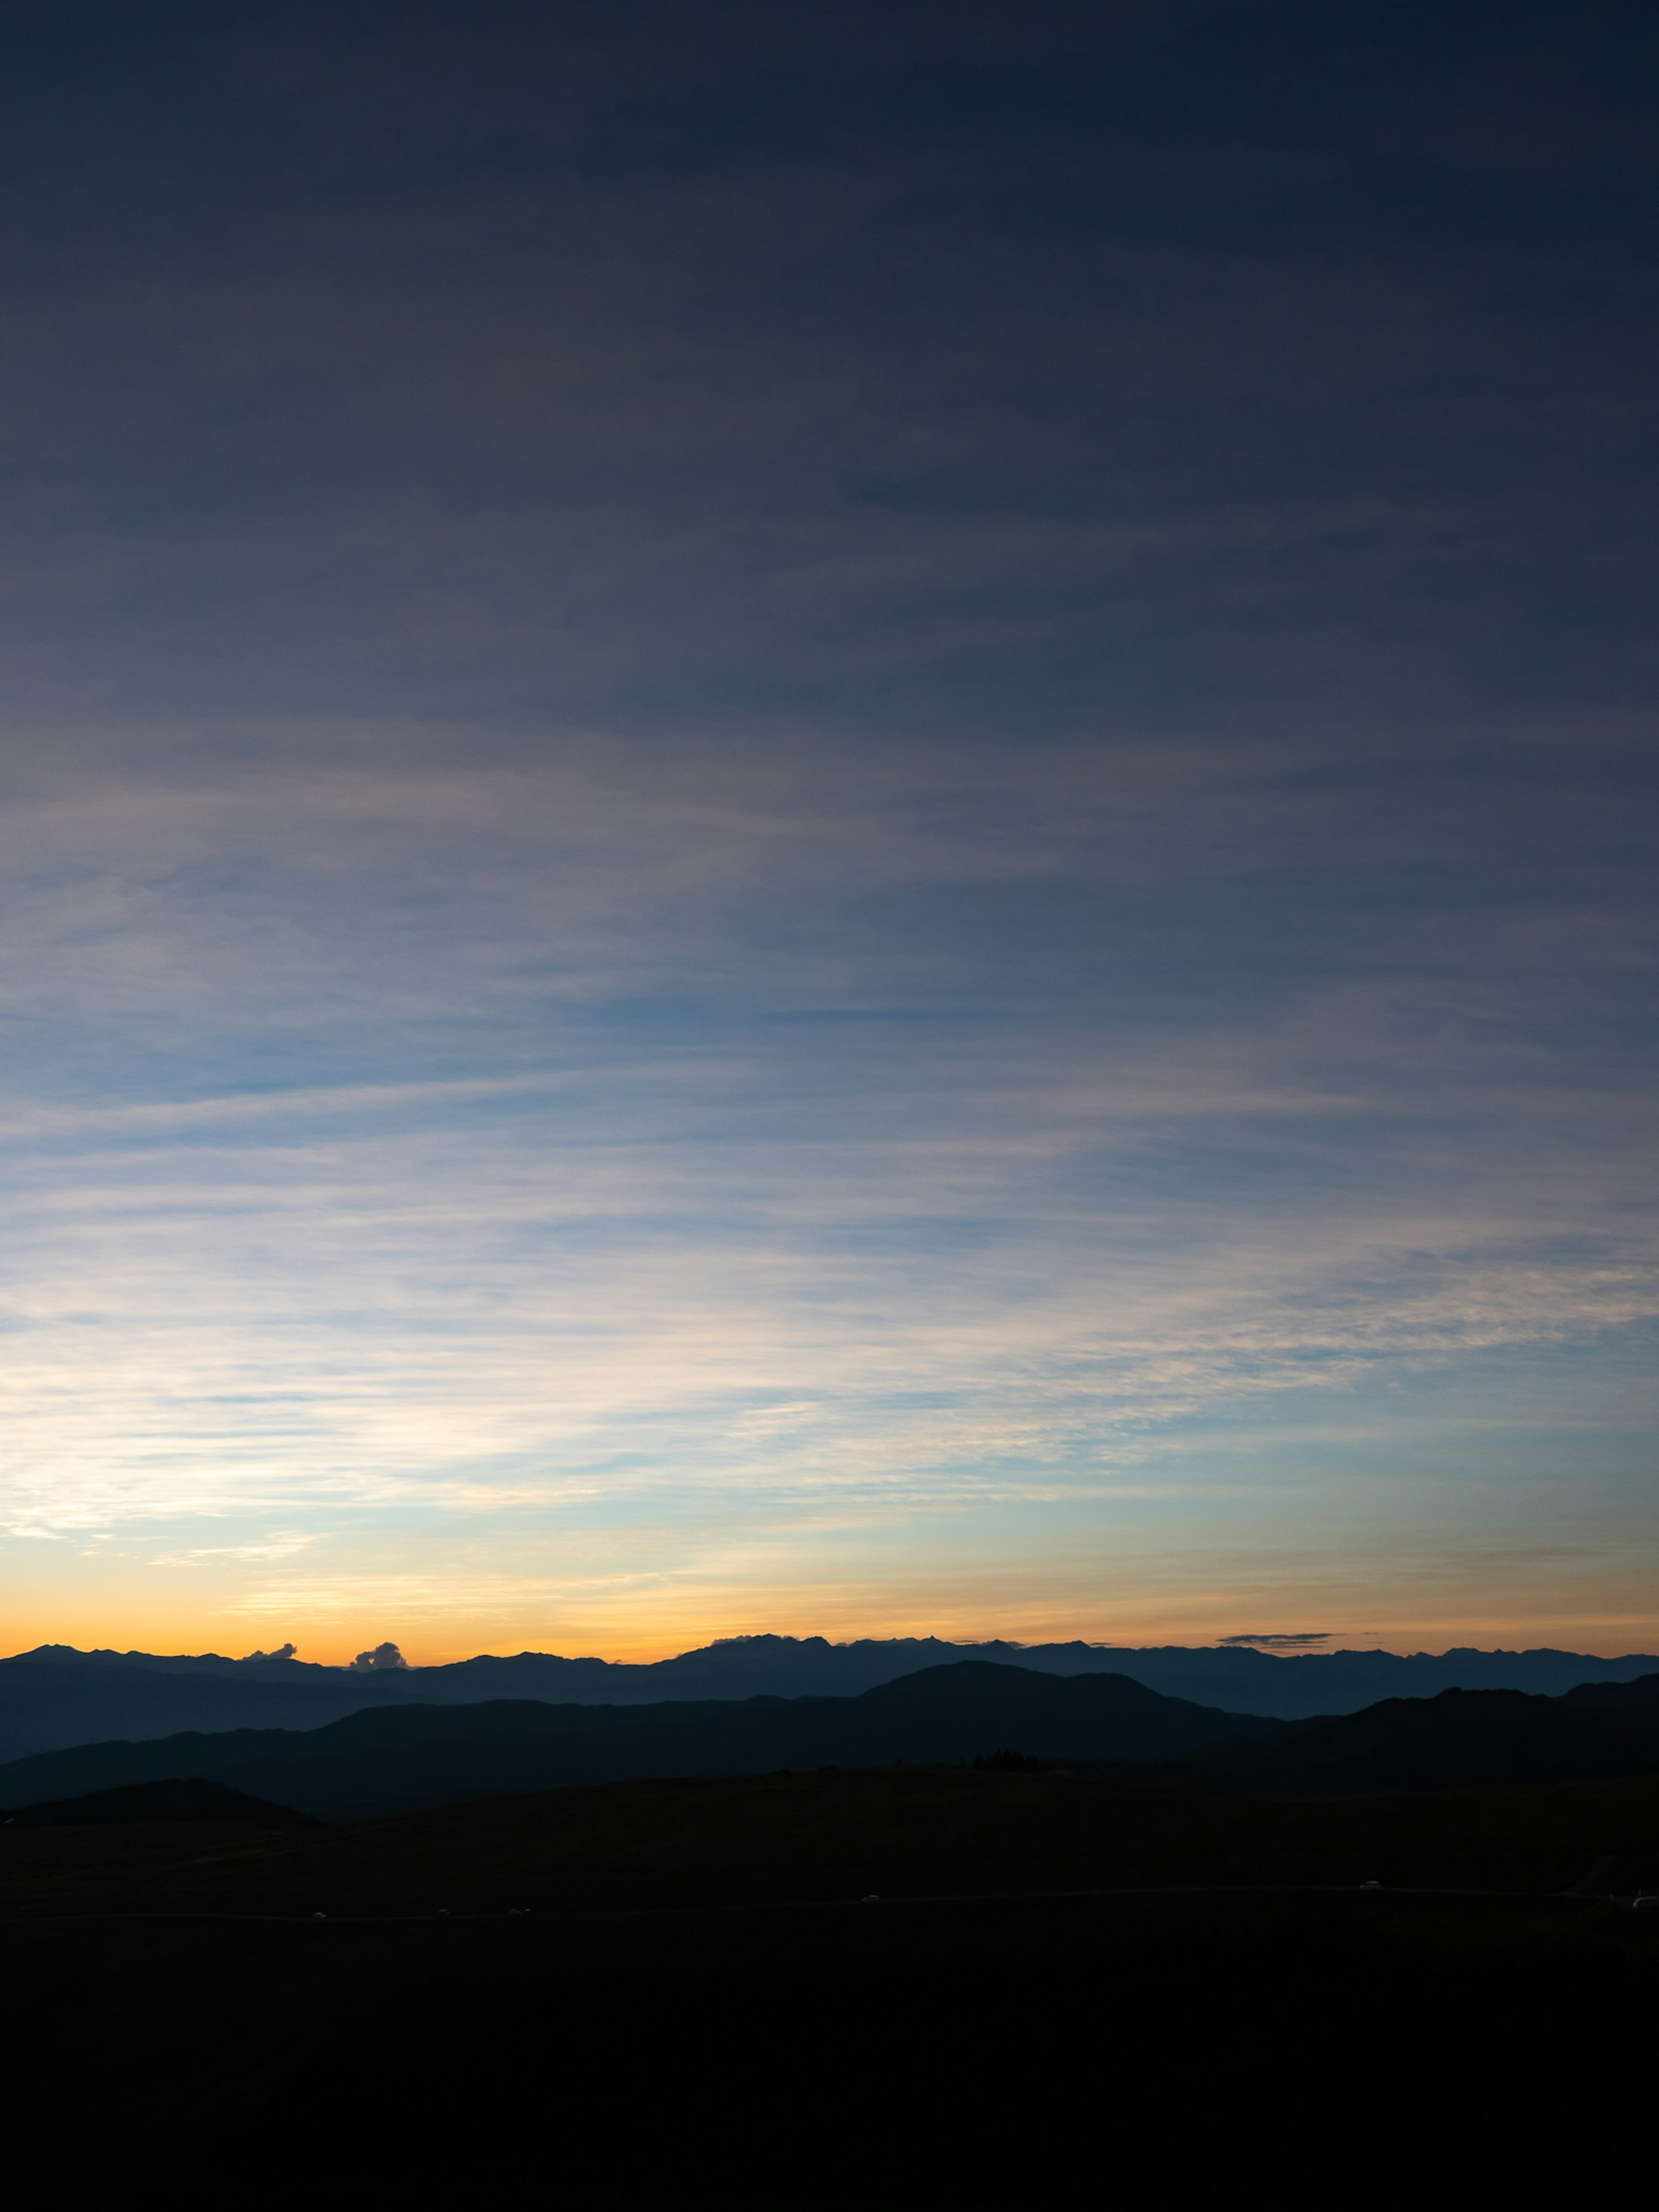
(54,1696)
(153,1802)
(417,1753)
(1467,1739)
(899,1986)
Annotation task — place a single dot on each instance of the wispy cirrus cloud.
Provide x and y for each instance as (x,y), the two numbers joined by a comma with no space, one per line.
(888,807)
(1034,1254)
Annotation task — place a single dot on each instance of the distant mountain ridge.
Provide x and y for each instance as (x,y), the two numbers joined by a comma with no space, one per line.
(422,1754)
(403,1755)
(55,1696)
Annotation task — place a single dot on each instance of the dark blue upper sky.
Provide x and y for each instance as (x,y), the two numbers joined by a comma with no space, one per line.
(829,820)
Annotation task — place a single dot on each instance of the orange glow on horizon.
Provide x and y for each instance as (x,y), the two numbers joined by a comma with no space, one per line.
(440,1642)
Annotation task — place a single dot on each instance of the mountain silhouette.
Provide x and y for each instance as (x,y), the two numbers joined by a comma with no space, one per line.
(422,1751)
(1464,1739)
(410,1753)
(55,1696)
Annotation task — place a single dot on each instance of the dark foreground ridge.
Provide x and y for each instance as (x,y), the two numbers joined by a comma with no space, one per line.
(151,1802)
(55,1696)
(406,1756)
(1469,1738)
(916,1986)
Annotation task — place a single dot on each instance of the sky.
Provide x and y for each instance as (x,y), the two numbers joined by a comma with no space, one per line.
(837,822)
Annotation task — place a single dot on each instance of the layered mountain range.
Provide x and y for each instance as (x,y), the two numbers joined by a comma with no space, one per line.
(55,1696)
(403,1756)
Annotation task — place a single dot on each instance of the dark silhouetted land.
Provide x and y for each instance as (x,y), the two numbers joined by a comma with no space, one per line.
(409,1753)
(403,1756)
(901,1985)
(56,1697)
(986,1935)
(169,1802)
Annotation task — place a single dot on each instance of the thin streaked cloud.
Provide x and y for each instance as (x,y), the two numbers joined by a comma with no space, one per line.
(891,870)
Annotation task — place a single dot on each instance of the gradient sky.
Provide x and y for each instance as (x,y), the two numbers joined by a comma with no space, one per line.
(835,820)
